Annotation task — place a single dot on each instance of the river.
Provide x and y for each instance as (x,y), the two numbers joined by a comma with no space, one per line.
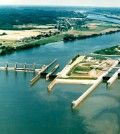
(31,110)
(103,18)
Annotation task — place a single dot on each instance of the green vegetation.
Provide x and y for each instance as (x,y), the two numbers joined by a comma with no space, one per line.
(87,28)
(44,41)
(50,39)
(68,37)
(10,17)
(71,37)
(115,50)
(79,68)
(53,25)
(9,49)
(74,58)
(6,50)
(3,34)
(84,69)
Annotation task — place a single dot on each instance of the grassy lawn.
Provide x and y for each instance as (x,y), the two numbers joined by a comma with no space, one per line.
(84,69)
(50,39)
(76,68)
(93,26)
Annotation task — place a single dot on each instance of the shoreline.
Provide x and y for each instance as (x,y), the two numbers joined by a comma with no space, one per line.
(79,37)
(103,54)
(52,39)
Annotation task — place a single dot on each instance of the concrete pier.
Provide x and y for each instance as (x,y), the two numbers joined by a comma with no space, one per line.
(15,66)
(34,67)
(75,81)
(6,66)
(68,67)
(69,81)
(52,84)
(52,71)
(98,81)
(84,95)
(63,73)
(44,68)
(113,78)
(51,63)
(35,79)
(25,66)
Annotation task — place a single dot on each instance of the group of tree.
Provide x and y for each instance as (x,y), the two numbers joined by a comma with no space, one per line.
(9,17)
(38,37)
(3,34)
(9,49)
(69,37)
(6,50)
(108,51)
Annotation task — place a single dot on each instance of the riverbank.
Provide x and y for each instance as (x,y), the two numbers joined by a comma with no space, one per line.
(112,16)
(70,37)
(60,37)
(103,54)
(110,51)
(9,49)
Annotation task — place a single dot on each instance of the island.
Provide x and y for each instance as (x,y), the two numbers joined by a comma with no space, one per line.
(111,51)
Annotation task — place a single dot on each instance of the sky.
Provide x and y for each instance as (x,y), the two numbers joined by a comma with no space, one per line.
(98,3)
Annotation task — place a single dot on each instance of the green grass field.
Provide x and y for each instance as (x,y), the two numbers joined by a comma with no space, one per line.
(50,39)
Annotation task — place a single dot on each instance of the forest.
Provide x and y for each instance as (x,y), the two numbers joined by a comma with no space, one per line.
(25,15)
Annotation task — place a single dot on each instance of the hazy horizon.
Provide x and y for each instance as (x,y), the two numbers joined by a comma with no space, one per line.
(84,3)
(12,5)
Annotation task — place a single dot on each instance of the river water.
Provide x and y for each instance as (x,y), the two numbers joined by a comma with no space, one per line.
(103,18)
(31,110)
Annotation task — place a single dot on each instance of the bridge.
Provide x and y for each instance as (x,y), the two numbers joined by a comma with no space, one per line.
(20,67)
(39,69)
